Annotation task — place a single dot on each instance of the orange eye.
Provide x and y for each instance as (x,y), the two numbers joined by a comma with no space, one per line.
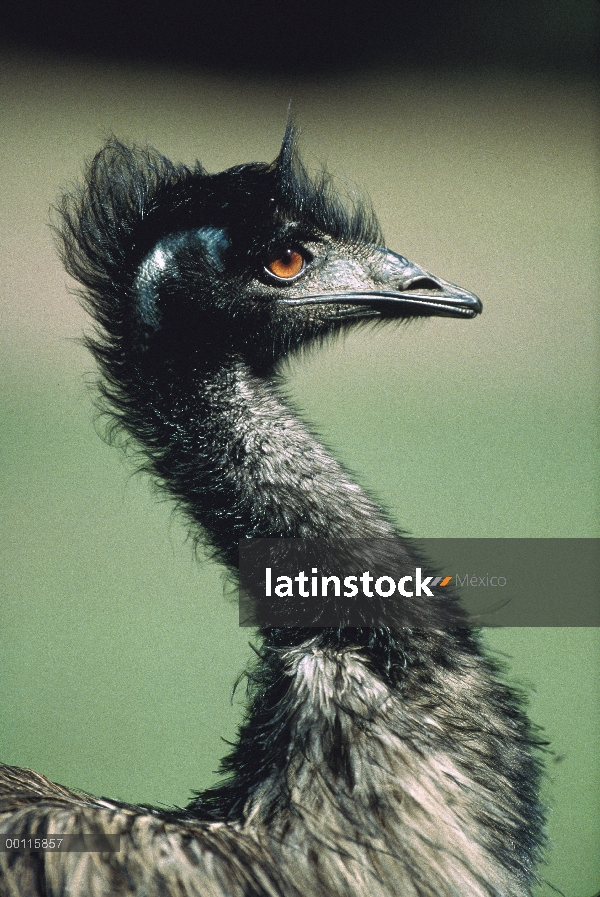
(286,265)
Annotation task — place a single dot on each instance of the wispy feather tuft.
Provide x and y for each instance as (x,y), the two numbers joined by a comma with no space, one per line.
(317,201)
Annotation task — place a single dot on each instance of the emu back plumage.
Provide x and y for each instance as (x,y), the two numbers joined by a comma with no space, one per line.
(375,758)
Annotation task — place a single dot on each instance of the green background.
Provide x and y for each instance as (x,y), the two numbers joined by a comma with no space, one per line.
(119,649)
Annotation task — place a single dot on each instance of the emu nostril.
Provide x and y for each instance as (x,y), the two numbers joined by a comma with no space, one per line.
(421,283)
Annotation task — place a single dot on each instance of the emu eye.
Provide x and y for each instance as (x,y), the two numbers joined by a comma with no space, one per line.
(287,264)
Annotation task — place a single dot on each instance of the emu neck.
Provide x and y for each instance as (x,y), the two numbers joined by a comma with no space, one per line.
(247,467)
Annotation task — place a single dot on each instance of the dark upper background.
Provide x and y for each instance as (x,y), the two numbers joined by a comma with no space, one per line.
(262,36)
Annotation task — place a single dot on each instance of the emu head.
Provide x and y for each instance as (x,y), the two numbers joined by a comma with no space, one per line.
(251,263)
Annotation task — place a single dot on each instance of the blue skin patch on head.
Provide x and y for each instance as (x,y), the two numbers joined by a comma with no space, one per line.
(161,264)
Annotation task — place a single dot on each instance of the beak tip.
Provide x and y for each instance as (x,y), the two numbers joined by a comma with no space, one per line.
(476,305)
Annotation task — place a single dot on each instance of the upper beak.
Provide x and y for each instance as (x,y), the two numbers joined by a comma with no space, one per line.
(406,291)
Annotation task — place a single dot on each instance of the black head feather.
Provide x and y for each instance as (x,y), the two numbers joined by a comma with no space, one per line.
(132,198)
(142,232)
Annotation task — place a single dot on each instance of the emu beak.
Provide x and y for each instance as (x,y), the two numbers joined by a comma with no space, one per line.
(402,290)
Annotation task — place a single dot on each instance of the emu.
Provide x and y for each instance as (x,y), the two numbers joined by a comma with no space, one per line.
(381,754)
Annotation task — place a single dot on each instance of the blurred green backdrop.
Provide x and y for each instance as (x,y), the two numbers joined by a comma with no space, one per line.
(118,649)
